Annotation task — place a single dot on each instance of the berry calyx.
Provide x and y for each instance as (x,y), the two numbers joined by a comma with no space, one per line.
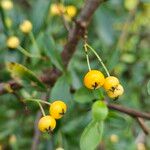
(58,109)
(94,79)
(118,91)
(99,110)
(46,124)
(110,83)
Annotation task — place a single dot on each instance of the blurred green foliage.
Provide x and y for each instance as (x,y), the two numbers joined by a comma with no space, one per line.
(120,35)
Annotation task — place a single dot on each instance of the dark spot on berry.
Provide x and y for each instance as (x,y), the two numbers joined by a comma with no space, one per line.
(95,85)
(113,89)
(48,130)
(63,112)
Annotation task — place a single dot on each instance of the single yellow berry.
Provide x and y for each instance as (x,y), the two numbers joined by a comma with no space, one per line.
(26,26)
(58,109)
(71,11)
(12,139)
(110,83)
(141,146)
(57,9)
(114,138)
(131,4)
(59,148)
(94,79)
(6,4)
(46,123)
(1,147)
(115,93)
(13,42)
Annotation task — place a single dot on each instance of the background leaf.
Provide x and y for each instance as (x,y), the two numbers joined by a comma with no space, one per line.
(21,72)
(91,136)
(61,89)
(51,51)
(84,95)
(39,13)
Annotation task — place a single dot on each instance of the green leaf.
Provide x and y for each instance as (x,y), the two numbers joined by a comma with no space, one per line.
(84,95)
(39,13)
(52,53)
(114,59)
(91,136)
(19,71)
(104,25)
(61,89)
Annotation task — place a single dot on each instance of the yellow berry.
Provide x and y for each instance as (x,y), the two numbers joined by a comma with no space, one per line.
(12,139)
(57,9)
(131,4)
(6,4)
(59,148)
(115,93)
(141,146)
(26,26)
(110,83)
(13,42)
(71,11)
(46,123)
(94,79)
(114,138)
(58,109)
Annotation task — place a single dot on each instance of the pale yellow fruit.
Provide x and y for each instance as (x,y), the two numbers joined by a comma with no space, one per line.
(13,42)
(46,123)
(114,138)
(131,4)
(26,26)
(71,11)
(6,4)
(118,91)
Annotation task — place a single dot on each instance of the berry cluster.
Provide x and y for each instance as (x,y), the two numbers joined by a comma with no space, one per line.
(95,79)
(56,111)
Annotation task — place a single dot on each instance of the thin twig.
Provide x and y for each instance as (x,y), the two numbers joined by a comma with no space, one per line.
(36,138)
(36,132)
(129,111)
(99,58)
(143,126)
(78,30)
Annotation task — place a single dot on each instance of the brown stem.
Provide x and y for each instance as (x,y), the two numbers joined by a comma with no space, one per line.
(143,126)
(78,29)
(129,111)
(37,133)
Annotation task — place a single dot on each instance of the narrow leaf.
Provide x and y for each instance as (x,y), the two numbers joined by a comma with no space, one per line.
(52,53)
(21,72)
